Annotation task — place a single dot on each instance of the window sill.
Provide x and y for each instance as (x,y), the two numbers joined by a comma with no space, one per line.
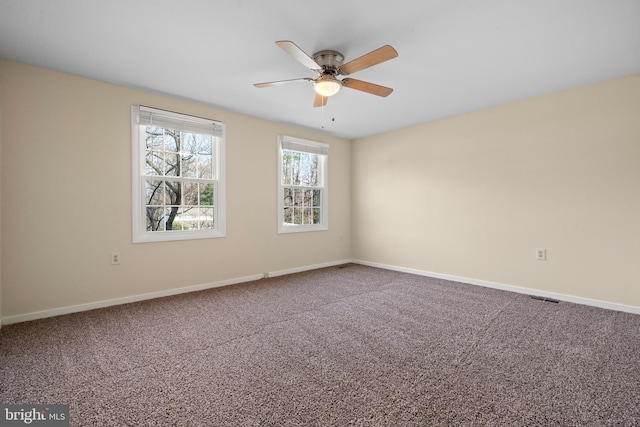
(286,229)
(172,236)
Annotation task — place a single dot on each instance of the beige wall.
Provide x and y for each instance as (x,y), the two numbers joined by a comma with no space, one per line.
(0,205)
(66,198)
(473,196)
(470,196)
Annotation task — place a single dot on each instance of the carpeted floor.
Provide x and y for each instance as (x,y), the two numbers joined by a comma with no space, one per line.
(332,347)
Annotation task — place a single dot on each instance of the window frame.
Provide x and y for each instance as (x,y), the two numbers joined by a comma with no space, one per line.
(187,123)
(312,147)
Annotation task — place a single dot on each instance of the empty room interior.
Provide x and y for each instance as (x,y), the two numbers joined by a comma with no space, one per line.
(453,238)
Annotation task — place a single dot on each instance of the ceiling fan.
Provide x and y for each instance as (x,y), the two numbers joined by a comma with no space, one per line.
(328,64)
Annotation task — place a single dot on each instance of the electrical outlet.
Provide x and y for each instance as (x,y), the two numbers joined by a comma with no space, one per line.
(541,254)
(115,258)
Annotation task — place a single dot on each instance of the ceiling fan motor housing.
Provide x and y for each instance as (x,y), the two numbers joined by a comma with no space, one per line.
(329,60)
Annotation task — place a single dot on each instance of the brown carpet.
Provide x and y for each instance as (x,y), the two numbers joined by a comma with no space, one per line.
(338,346)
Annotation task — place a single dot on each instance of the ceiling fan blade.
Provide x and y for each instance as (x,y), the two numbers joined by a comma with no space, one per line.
(281,82)
(375,57)
(320,100)
(292,49)
(367,87)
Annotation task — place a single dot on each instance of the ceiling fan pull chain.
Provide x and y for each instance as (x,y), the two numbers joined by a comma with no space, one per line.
(333,112)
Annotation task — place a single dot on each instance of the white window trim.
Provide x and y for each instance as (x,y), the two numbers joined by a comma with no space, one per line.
(139,229)
(312,147)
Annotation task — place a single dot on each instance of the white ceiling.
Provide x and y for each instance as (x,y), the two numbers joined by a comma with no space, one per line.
(455,56)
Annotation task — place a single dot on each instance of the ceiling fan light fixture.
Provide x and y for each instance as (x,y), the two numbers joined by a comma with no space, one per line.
(327,85)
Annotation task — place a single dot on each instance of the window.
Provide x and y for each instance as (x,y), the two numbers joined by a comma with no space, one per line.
(178,176)
(302,185)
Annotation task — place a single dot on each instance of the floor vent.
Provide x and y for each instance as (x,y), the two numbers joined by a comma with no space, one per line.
(555,301)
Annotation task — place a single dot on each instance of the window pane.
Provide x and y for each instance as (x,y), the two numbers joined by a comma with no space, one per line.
(288,197)
(190,193)
(308,198)
(188,145)
(307,217)
(295,168)
(313,171)
(206,218)
(173,194)
(288,215)
(186,218)
(297,216)
(205,167)
(154,163)
(171,140)
(316,215)
(206,194)
(154,138)
(171,213)
(298,197)
(172,164)
(189,167)
(155,193)
(155,218)
(286,167)
(313,178)
(313,161)
(205,145)
(303,168)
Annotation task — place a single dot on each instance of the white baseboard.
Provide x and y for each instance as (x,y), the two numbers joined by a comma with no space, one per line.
(511,288)
(124,300)
(135,298)
(305,268)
